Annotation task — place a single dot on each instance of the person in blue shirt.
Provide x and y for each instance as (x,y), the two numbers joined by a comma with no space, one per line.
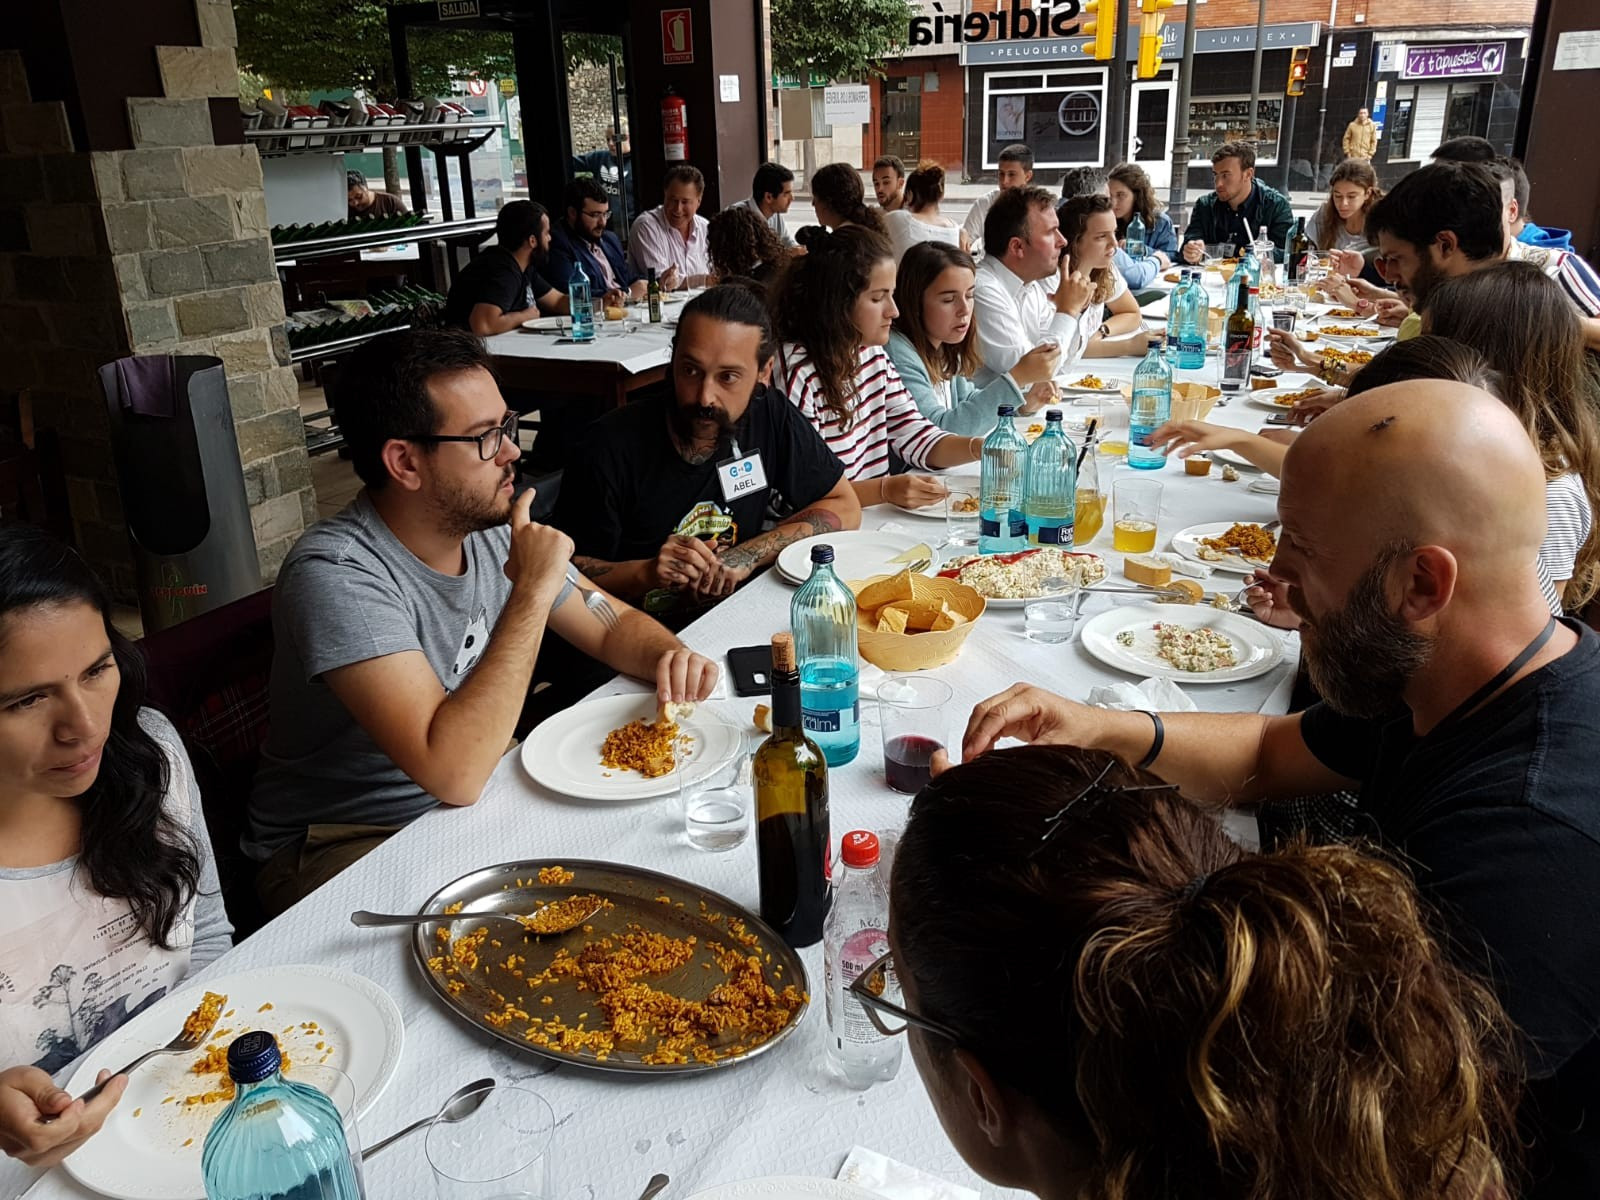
(582,239)
(1522,229)
(1132,192)
(1238,207)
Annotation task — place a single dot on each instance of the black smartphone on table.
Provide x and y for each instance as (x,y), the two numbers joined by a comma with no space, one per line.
(751,670)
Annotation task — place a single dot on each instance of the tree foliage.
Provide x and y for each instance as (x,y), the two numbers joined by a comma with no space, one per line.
(838,39)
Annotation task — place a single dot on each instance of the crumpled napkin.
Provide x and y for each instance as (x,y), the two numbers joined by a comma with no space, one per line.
(895,1180)
(1155,695)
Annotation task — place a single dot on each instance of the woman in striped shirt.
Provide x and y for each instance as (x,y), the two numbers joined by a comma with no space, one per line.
(833,309)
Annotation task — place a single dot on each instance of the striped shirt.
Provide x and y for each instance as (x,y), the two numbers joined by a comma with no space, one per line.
(882,415)
(1568,523)
(1576,277)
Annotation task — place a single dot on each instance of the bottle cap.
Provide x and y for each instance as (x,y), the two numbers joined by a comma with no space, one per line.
(859,849)
(1053,414)
(253,1056)
(1007,410)
(822,553)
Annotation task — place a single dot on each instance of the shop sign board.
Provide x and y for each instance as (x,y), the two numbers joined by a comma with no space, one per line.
(847,104)
(1206,41)
(1459,58)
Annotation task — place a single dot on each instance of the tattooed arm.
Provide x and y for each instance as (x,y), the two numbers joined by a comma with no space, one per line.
(837,510)
(682,562)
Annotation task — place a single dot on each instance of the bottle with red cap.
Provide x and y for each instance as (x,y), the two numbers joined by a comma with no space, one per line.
(855,937)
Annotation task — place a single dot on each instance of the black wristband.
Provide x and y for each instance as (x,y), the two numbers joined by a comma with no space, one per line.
(1155,747)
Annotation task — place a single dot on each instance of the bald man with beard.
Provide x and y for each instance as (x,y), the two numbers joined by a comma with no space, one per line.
(1463,712)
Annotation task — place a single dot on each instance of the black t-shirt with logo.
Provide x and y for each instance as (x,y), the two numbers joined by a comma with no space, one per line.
(627,489)
(492,278)
(1498,816)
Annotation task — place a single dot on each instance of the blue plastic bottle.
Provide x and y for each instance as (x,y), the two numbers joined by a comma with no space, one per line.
(581,304)
(1150,410)
(1136,237)
(278,1140)
(1002,523)
(822,617)
(1192,325)
(1052,485)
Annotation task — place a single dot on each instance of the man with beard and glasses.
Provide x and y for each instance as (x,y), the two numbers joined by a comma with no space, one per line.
(667,499)
(406,626)
(1465,713)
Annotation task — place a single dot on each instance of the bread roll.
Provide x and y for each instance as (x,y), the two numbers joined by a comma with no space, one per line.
(1147,569)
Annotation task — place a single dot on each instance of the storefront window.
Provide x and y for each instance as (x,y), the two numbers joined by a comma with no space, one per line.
(1059,114)
(1218,119)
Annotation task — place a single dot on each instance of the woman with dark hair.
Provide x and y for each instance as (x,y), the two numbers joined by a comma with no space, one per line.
(1110,324)
(833,308)
(934,345)
(108,890)
(742,245)
(918,219)
(1108,1000)
(1132,192)
(839,199)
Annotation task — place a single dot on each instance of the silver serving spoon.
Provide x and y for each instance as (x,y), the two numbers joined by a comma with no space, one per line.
(526,923)
(462,1104)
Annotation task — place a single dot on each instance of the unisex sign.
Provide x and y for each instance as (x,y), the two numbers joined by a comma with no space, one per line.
(1444,62)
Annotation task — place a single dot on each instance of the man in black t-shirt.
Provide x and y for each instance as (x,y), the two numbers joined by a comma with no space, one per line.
(1412,518)
(501,288)
(666,498)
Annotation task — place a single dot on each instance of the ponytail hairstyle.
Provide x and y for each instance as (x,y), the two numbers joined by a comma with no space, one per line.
(1133,177)
(811,305)
(919,270)
(924,186)
(1194,1022)
(838,185)
(740,242)
(131,848)
(1074,215)
(1352,170)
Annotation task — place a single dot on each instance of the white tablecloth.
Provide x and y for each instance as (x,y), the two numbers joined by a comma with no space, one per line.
(778,1114)
(648,347)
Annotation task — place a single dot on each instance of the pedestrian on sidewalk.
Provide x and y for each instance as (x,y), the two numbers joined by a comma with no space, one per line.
(1360,137)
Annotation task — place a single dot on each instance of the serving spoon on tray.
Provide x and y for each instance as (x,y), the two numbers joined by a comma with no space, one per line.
(556,917)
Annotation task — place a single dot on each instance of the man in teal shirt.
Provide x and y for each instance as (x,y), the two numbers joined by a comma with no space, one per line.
(1238,208)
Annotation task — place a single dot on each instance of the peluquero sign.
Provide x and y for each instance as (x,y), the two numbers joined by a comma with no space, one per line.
(1010,21)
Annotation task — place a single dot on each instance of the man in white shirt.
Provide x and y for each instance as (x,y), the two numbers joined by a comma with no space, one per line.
(671,238)
(1012,307)
(1016,171)
(771,193)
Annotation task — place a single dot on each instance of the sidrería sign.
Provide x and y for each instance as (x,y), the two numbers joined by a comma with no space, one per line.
(1011,19)
(1446,61)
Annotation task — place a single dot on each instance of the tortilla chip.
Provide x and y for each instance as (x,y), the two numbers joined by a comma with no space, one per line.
(892,618)
(921,615)
(887,591)
(948,618)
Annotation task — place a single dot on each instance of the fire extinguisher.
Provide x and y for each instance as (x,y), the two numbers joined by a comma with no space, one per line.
(674,128)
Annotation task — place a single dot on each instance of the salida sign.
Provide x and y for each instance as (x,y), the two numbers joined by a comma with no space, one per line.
(1011,19)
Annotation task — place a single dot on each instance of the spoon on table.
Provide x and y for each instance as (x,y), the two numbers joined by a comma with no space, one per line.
(656,1184)
(461,1104)
(559,916)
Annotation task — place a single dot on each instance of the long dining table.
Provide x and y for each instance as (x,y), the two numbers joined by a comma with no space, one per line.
(780,1113)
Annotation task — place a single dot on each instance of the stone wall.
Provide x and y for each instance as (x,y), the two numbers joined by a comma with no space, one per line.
(161,249)
(589,106)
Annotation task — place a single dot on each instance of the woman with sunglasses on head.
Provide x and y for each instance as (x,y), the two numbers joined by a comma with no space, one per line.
(1109,1000)
(108,890)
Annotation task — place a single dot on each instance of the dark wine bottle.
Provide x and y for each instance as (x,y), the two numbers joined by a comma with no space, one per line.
(1299,252)
(1238,345)
(653,294)
(792,847)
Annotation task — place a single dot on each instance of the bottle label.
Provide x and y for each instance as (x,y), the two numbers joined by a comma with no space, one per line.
(1236,359)
(849,1022)
(1019,524)
(830,720)
(989,526)
(1056,535)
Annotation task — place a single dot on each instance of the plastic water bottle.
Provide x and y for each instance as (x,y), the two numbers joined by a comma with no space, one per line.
(822,617)
(1175,313)
(1002,490)
(1268,266)
(1196,305)
(581,304)
(278,1140)
(1136,237)
(854,937)
(1052,485)
(1151,408)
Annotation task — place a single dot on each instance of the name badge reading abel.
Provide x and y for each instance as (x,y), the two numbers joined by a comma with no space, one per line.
(742,477)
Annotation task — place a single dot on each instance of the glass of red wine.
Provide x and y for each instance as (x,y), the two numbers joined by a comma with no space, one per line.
(914,711)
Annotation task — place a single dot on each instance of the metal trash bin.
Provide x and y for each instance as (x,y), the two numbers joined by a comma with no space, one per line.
(182,485)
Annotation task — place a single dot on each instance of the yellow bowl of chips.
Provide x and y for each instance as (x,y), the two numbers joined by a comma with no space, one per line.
(909,622)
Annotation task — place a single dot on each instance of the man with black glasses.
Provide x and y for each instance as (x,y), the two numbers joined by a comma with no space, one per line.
(583,240)
(406,627)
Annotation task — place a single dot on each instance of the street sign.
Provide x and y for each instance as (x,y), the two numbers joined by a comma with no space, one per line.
(677,36)
(847,104)
(458,10)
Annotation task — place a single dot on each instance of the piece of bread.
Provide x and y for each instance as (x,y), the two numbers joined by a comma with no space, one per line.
(887,591)
(1147,569)
(893,618)
(763,718)
(674,712)
(616,313)
(1189,588)
(1257,383)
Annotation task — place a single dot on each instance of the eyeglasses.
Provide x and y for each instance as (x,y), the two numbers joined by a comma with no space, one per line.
(887,1017)
(488,442)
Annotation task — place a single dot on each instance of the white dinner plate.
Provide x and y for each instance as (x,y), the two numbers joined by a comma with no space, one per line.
(563,753)
(548,324)
(144,1157)
(857,554)
(785,1187)
(1187,543)
(1019,602)
(1233,457)
(1264,397)
(1114,384)
(933,512)
(1256,647)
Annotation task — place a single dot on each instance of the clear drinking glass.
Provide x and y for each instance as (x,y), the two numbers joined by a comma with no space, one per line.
(1283,318)
(1136,512)
(915,713)
(961,505)
(499,1152)
(716,803)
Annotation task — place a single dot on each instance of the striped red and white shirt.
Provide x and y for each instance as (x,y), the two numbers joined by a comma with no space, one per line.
(883,413)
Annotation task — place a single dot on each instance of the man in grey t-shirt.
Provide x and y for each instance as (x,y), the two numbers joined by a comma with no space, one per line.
(407,626)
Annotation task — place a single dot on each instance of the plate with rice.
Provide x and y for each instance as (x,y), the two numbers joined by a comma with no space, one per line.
(1209,544)
(1186,645)
(615,749)
(1011,580)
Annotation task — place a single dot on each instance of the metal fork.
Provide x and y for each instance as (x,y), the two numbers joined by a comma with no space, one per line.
(182,1044)
(601,608)
(921,565)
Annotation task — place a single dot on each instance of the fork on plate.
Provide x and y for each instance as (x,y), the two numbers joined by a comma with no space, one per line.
(184,1043)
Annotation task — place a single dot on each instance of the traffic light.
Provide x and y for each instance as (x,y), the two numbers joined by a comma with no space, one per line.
(1103,26)
(1150,22)
(1299,67)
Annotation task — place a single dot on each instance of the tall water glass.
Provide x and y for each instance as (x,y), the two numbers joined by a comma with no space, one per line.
(499,1152)
(716,801)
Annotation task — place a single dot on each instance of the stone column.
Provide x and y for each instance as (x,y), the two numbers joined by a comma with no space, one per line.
(156,244)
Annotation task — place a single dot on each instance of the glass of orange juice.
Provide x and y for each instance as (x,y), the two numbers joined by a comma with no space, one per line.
(1090,511)
(1136,508)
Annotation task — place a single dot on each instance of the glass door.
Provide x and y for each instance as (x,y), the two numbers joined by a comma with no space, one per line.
(1151,121)
(902,119)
